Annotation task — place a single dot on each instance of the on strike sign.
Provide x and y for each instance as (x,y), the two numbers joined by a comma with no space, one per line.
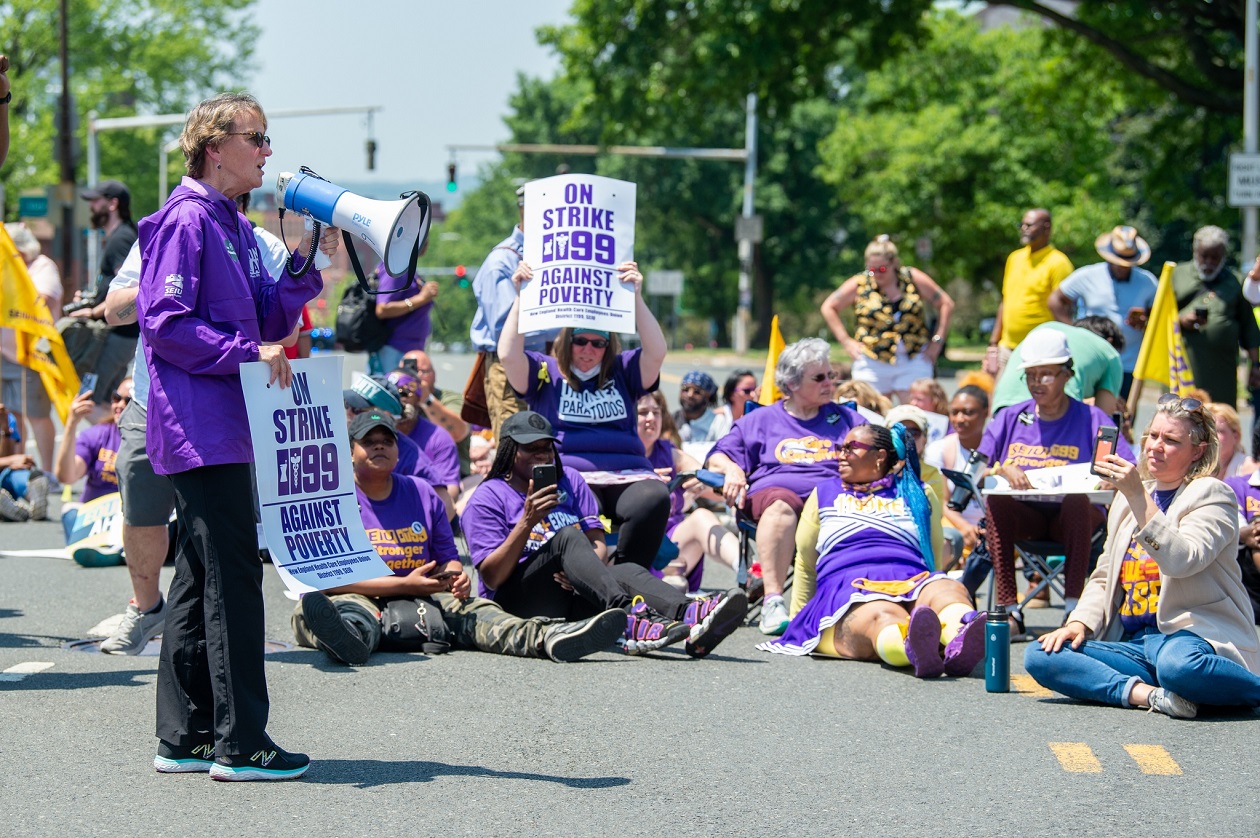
(310,514)
(578,229)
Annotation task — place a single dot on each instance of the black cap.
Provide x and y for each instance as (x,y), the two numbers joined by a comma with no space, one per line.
(355,400)
(364,423)
(109,189)
(526,427)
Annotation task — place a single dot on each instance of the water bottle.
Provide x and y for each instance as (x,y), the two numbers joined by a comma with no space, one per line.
(997,652)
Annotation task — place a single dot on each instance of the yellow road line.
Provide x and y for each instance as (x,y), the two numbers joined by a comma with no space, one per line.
(1076,757)
(1027,685)
(1153,759)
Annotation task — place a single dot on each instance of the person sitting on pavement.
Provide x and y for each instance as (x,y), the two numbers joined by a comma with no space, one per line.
(914,422)
(1232,457)
(588,389)
(540,552)
(699,424)
(1164,622)
(93,453)
(426,605)
(698,534)
(865,589)
(23,488)
(738,390)
(1247,490)
(1050,429)
(441,406)
(775,456)
(1095,344)
(438,446)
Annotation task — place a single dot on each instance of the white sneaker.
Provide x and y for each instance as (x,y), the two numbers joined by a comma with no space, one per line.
(135,631)
(1170,704)
(12,509)
(774,618)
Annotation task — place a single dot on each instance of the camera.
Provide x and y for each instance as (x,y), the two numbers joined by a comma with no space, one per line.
(77,305)
(966,488)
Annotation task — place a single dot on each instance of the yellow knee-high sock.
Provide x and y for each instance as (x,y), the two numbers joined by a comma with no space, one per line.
(951,621)
(890,645)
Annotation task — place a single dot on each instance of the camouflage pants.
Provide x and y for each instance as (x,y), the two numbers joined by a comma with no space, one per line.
(501,400)
(474,623)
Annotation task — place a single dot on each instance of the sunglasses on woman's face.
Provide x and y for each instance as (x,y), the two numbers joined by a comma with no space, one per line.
(820,377)
(853,447)
(258,138)
(118,397)
(598,343)
(877,269)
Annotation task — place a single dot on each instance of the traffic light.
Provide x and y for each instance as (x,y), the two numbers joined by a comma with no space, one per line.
(451,186)
(371,155)
(461,273)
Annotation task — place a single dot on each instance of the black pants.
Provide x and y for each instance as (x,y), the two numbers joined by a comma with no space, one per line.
(640,511)
(532,591)
(211,682)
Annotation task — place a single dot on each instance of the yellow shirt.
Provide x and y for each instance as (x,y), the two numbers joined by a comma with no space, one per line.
(1026,287)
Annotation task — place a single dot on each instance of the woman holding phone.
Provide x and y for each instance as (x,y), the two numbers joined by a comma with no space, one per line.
(540,551)
(1164,622)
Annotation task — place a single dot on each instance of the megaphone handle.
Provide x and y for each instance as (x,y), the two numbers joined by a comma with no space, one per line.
(358,268)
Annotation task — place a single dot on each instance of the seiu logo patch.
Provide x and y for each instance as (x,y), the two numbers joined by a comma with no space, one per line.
(174,285)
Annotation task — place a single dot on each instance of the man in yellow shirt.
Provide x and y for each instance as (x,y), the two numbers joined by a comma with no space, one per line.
(1032,272)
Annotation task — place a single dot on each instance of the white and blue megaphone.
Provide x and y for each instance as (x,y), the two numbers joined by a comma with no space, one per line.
(395,230)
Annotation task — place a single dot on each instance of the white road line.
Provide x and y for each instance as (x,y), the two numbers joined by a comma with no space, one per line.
(21,670)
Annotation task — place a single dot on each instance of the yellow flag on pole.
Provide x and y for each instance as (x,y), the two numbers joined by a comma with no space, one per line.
(39,344)
(1162,358)
(769,392)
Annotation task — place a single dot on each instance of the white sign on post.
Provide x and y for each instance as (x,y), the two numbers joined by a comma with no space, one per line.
(1244,180)
(305,481)
(578,229)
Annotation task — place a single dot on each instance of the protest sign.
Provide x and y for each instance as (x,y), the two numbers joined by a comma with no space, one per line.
(578,229)
(310,515)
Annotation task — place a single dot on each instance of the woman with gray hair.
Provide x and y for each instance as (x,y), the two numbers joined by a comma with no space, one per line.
(207,306)
(775,456)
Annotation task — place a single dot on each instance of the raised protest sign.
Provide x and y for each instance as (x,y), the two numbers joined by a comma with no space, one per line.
(578,229)
(310,515)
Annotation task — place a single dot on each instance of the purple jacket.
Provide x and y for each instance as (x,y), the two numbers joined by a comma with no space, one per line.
(205,304)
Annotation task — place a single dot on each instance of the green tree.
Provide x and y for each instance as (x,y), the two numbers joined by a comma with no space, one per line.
(126,57)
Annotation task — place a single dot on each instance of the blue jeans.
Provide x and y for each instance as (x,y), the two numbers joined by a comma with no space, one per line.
(1105,671)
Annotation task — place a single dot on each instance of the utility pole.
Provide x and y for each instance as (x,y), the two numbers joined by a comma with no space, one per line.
(1250,119)
(65,153)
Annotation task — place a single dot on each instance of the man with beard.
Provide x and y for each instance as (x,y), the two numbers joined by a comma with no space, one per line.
(699,426)
(1215,318)
(111,213)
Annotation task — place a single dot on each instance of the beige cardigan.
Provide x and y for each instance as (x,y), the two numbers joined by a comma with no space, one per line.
(1195,545)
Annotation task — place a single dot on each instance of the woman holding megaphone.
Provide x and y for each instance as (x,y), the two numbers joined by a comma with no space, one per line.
(206,307)
(588,390)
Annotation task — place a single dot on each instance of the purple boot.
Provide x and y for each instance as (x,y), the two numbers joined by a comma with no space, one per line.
(967,648)
(923,643)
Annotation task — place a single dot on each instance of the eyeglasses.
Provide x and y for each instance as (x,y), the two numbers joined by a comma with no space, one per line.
(818,379)
(1185,404)
(258,138)
(882,269)
(598,343)
(1042,377)
(849,448)
(117,397)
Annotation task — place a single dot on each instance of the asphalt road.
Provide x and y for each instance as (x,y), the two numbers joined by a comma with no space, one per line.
(740,743)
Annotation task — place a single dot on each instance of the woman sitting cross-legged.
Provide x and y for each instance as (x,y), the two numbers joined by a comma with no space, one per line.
(540,552)
(865,586)
(425,605)
(1164,622)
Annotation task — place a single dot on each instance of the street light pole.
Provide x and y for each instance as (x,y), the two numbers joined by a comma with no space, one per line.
(1251,118)
(65,154)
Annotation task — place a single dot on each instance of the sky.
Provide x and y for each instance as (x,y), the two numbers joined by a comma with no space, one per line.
(441,71)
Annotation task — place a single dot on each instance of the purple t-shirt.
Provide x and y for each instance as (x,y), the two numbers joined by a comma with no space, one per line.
(409,528)
(412,464)
(439,447)
(411,331)
(774,448)
(98,446)
(1248,495)
(495,507)
(1017,437)
(597,429)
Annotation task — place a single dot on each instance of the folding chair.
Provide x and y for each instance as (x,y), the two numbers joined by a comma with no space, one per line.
(1045,558)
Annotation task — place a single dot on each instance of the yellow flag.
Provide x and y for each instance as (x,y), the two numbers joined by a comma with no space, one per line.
(1162,358)
(39,344)
(769,392)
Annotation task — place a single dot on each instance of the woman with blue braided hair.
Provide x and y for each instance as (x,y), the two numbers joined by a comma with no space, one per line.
(866,585)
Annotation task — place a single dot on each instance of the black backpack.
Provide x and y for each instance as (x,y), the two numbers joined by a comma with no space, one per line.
(358,327)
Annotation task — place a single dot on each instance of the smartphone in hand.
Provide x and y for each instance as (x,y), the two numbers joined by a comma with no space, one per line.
(88,383)
(544,476)
(1104,444)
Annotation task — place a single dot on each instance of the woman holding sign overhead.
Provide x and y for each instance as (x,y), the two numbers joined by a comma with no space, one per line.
(206,307)
(588,390)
